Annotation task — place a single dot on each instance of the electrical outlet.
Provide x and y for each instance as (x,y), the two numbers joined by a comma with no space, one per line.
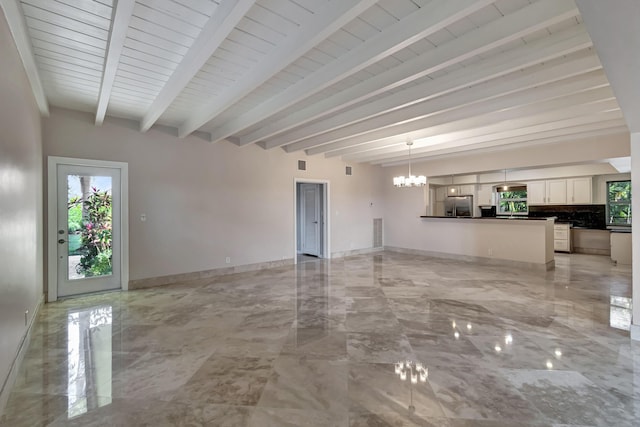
(143,217)
(228,260)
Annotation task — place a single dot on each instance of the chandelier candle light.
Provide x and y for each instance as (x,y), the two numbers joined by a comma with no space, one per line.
(414,372)
(411,181)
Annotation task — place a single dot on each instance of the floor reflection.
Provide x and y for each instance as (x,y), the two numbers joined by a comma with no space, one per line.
(312,301)
(620,313)
(89,359)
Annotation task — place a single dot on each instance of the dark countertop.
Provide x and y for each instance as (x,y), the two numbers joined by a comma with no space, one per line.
(614,229)
(508,218)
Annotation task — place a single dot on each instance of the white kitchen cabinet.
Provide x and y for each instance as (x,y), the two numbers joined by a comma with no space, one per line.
(621,248)
(552,192)
(441,193)
(557,192)
(461,190)
(537,192)
(485,195)
(467,190)
(579,191)
(561,238)
(453,190)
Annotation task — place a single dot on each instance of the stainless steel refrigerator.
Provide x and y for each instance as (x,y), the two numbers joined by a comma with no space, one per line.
(458,206)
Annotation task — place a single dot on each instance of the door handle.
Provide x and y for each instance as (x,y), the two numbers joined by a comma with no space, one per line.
(61,241)
(315,222)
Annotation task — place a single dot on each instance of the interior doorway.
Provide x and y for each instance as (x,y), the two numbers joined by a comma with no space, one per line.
(87,227)
(311,208)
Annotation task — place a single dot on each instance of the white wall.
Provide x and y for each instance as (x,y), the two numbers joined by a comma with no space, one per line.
(20,201)
(205,202)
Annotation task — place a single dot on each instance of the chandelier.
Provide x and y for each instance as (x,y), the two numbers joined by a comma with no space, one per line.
(413,371)
(411,180)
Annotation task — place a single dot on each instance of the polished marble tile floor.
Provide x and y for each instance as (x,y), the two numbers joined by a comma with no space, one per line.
(319,345)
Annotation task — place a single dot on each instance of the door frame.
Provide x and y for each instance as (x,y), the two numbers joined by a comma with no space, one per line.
(52,219)
(307,191)
(326,226)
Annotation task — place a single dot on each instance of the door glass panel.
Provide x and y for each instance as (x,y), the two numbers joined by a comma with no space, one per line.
(89,203)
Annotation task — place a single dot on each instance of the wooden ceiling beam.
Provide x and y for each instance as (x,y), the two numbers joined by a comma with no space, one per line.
(540,51)
(515,83)
(218,27)
(497,33)
(312,31)
(591,87)
(567,102)
(572,134)
(454,141)
(122,11)
(17,26)
(426,21)
(491,125)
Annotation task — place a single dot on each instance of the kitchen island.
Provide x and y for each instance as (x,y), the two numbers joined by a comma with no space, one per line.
(524,242)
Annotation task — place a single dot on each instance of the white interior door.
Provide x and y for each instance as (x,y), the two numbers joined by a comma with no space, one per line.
(89,229)
(311,221)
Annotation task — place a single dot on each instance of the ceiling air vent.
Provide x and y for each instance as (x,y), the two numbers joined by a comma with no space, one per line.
(348,170)
(302,165)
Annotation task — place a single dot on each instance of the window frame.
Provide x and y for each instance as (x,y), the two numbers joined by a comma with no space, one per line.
(499,199)
(610,203)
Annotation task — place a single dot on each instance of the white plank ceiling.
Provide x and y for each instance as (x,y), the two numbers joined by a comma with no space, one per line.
(338,78)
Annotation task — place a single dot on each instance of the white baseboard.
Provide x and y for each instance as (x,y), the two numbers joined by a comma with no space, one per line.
(352,252)
(7,385)
(151,282)
(477,259)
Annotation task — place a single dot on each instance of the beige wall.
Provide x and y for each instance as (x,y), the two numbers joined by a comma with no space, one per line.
(205,202)
(20,202)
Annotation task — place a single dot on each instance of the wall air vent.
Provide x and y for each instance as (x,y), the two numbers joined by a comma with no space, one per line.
(302,165)
(348,170)
(377,232)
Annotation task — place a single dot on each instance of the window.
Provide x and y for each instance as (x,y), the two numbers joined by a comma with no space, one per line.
(512,200)
(619,203)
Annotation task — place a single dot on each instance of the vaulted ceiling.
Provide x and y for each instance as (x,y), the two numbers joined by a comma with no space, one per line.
(348,78)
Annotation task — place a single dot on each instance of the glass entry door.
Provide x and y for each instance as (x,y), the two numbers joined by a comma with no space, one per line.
(89,229)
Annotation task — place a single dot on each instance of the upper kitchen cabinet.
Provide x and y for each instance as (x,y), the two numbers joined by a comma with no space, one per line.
(441,193)
(557,192)
(579,191)
(537,192)
(552,192)
(485,195)
(461,190)
(576,191)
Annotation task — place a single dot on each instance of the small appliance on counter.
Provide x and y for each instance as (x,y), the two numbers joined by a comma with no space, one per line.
(458,206)
(487,211)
